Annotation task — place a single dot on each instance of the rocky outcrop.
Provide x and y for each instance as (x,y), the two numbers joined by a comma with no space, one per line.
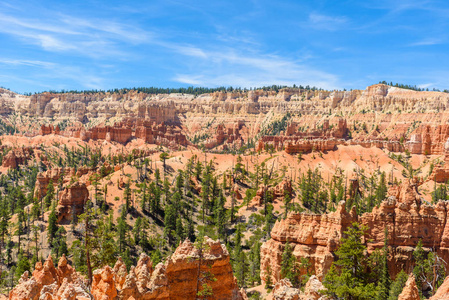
(283,290)
(226,136)
(71,201)
(281,190)
(429,140)
(50,283)
(103,285)
(49,129)
(56,175)
(166,134)
(176,278)
(410,291)
(316,237)
(160,134)
(16,157)
(379,116)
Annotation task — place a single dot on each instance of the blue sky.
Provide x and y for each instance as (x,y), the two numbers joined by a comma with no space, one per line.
(171,43)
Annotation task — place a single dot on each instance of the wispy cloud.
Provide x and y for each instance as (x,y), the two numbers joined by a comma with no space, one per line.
(62,33)
(232,68)
(324,22)
(426,85)
(428,42)
(49,71)
(24,62)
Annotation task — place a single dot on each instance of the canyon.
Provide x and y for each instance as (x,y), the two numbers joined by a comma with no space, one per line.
(381,116)
(106,150)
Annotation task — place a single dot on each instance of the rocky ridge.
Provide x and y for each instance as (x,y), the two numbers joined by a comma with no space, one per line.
(382,116)
(181,276)
(316,237)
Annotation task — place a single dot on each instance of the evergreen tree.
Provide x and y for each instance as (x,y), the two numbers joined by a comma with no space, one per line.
(398,285)
(385,281)
(289,267)
(241,268)
(170,222)
(179,230)
(52,225)
(49,196)
(348,276)
(127,196)
(59,245)
(221,218)
(23,264)
(121,230)
(164,156)
(429,268)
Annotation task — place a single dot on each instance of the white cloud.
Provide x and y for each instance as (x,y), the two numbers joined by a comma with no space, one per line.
(427,42)
(232,68)
(324,22)
(426,85)
(62,33)
(24,62)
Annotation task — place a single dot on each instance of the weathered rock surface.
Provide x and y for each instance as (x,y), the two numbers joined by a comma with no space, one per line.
(381,116)
(103,285)
(176,278)
(50,283)
(56,174)
(16,157)
(71,201)
(283,290)
(282,189)
(410,291)
(316,237)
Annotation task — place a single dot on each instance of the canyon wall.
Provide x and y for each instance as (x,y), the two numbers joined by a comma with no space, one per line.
(316,237)
(381,116)
(176,278)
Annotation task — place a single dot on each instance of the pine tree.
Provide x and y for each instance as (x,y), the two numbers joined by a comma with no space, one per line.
(385,281)
(179,230)
(204,278)
(254,258)
(163,157)
(221,219)
(23,264)
(170,222)
(52,225)
(127,196)
(241,268)
(137,229)
(348,276)
(121,230)
(268,280)
(289,268)
(49,196)
(398,285)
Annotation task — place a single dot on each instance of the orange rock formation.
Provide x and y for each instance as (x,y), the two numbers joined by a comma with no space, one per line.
(316,237)
(16,157)
(410,291)
(174,279)
(50,283)
(71,201)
